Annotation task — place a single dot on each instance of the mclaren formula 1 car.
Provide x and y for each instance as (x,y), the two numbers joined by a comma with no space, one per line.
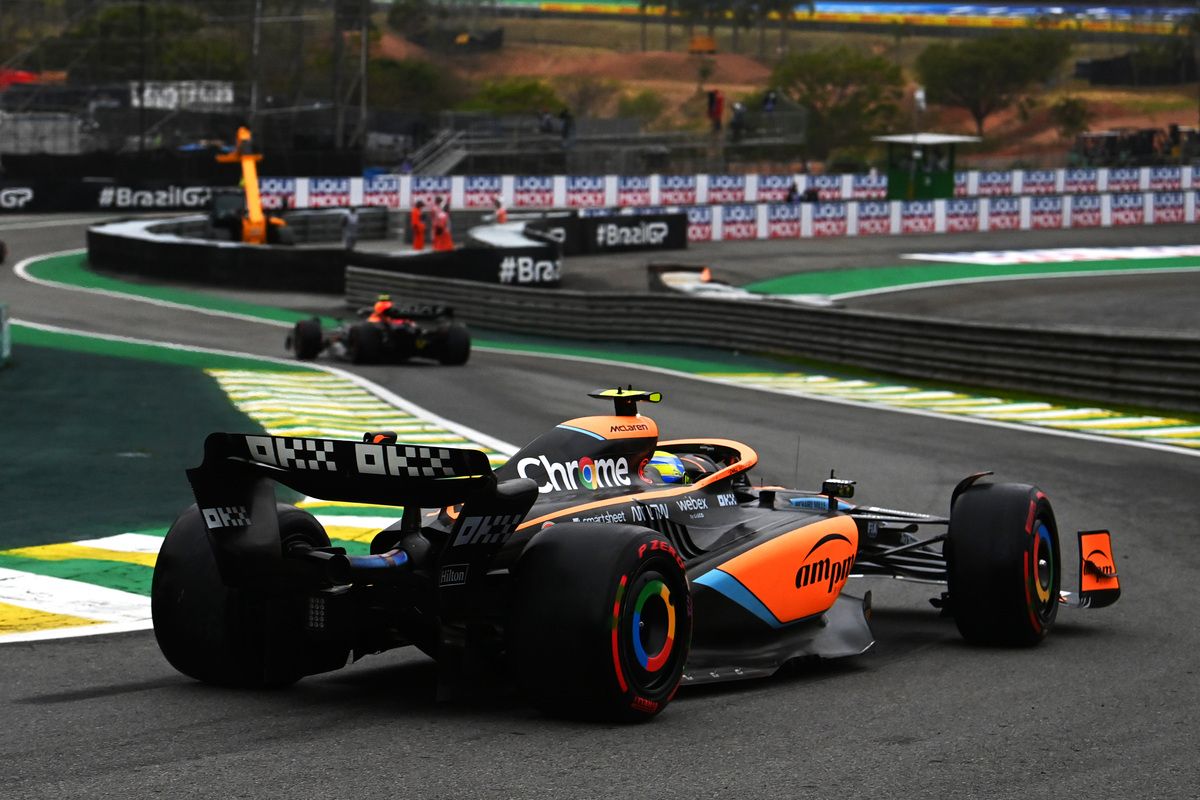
(600,566)
(388,334)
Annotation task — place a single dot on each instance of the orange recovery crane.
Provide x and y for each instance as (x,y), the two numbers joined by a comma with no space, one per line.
(256,228)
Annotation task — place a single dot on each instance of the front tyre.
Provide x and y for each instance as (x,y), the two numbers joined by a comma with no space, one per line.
(1003,564)
(306,339)
(456,347)
(601,621)
(226,636)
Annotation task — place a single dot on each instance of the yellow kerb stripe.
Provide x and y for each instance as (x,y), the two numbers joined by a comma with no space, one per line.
(15,619)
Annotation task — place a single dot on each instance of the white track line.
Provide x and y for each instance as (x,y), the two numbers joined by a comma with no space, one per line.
(21,268)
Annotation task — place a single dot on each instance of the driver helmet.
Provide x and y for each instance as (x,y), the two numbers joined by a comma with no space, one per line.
(666,466)
(383,303)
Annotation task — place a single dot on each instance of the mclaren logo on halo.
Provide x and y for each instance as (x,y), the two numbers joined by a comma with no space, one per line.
(585,473)
(832,570)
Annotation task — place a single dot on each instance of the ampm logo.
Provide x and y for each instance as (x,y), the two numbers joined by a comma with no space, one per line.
(828,563)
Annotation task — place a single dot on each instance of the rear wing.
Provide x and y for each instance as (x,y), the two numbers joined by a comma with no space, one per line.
(384,473)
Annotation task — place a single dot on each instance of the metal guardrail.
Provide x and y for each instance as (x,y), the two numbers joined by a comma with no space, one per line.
(1155,371)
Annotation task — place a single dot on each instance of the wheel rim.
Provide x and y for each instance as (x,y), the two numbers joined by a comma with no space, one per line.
(648,622)
(1043,576)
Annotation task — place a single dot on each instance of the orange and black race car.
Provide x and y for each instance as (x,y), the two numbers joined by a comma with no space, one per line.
(386,333)
(600,567)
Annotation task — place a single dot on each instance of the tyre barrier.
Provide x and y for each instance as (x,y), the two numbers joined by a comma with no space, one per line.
(1160,371)
(185,249)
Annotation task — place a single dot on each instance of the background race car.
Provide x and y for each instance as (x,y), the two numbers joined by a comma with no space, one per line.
(387,333)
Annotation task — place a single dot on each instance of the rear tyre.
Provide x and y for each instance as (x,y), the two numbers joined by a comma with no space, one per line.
(456,348)
(601,621)
(1003,564)
(306,339)
(226,636)
(365,344)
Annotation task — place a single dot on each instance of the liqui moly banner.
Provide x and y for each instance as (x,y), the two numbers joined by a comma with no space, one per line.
(774,188)
(382,190)
(868,187)
(1004,213)
(829,219)
(1087,210)
(995,183)
(480,191)
(1039,181)
(533,191)
(874,217)
(677,190)
(328,192)
(1124,179)
(917,216)
(783,220)
(726,188)
(430,188)
(962,215)
(700,223)
(1168,207)
(585,191)
(829,187)
(1085,180)
(1046,212)
(277,193)
(739,222)
(962,184)
(633,190)
(1166,179)
(1128,209)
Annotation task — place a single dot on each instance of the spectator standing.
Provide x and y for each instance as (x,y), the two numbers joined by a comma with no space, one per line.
(793,195)
(350,228)
(568,126)
(716,109)
(737,121)
(416,220)
(501,211)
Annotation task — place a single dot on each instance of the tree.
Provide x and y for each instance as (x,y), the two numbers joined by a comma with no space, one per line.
(1071,116)
(991,73)
(849,95)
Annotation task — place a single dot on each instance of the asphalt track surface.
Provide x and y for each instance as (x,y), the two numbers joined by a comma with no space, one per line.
(1107,705)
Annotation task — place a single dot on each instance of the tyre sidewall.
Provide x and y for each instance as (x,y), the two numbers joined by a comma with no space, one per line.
(998,532)
(572,623)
